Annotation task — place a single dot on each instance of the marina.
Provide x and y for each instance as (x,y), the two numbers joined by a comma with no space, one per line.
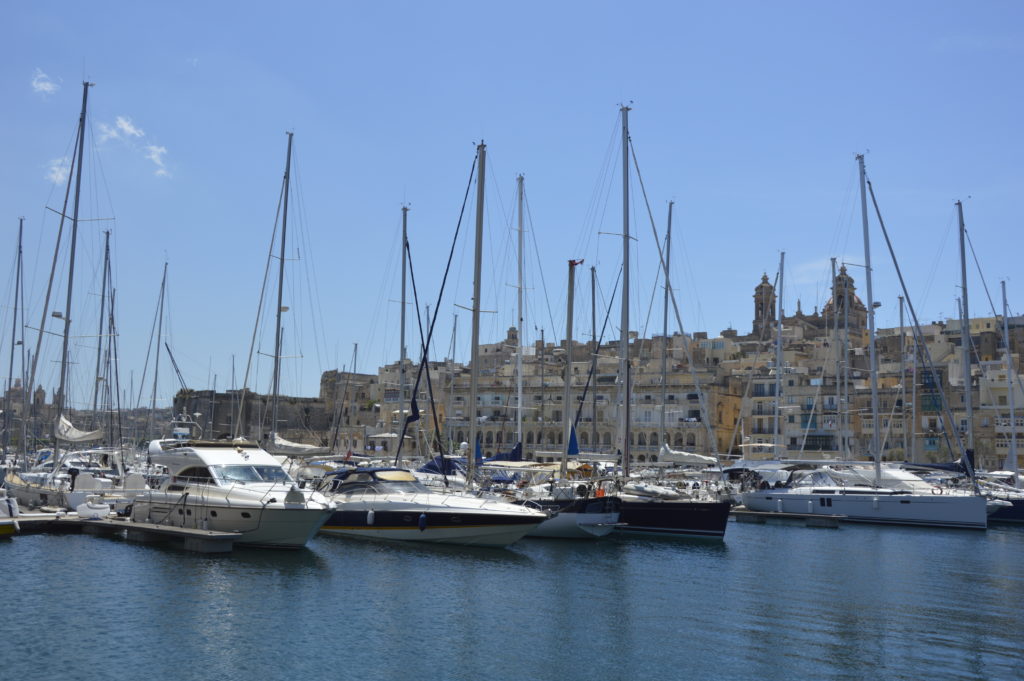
(584,342)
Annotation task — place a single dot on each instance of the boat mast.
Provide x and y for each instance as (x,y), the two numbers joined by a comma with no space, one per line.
(99,334)
(664,326)
(836,346)
(519,328)
(873,366)
(156,360)
(845,417)
(14,342)
(567,410)
(624,378)
(475,335)
(903,381)
(61,400)
(401,342)
(593,357)
(1011,376)
(778,361)
(965,333)
(280,293)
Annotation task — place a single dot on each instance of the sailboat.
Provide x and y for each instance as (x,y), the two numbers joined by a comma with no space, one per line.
(233,485)
(837,489)
(656,514)
(66,477)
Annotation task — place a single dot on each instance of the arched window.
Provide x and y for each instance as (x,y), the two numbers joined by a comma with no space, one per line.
(490,438)
(584,439)
(691,440)
(497,438)
(679,440)
(641,441)
(551,437)
(529,437)
(560,438)
(607,439)
(654,439)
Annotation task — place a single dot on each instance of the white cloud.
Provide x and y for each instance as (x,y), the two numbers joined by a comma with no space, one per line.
(58,170)
(156,155)
(125,125)
(42,84)
(108,133)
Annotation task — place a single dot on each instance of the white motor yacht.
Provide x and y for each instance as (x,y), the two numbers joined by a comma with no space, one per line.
(231,486)
(390,503)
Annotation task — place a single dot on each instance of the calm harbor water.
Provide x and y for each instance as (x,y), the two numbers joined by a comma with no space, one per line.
(770,602)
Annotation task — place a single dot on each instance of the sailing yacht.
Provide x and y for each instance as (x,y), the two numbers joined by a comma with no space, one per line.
(825,490)
(652,514)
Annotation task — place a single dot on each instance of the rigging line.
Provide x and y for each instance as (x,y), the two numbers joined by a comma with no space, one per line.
(675,307)
(540,270)
(149,349)
(597,348)
(650,306)
(259,311)
(425,350)
(992,305)
(437,307)
(922,346)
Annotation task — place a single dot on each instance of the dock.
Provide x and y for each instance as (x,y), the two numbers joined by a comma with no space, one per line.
(199,541)
(743,515)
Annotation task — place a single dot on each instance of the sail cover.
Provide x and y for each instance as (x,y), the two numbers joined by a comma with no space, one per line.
(67,432)
(278,445)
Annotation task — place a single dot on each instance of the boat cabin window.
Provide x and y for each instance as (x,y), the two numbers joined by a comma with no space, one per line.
(246,473)
(195,474)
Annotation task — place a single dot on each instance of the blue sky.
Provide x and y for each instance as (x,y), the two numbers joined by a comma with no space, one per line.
(746,114)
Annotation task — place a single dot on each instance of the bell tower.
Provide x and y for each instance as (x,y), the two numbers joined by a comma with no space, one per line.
(764,306)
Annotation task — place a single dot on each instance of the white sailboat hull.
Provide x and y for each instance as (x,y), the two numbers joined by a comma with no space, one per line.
(885,507)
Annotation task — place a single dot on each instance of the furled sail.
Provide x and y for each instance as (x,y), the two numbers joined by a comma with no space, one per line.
(278,445)
(67,432)
(678,456)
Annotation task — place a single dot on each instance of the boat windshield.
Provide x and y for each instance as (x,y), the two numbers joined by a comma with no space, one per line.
(385,482)
(245,473)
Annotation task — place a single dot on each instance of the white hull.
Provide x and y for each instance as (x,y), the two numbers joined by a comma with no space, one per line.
(931,510)
(275,526)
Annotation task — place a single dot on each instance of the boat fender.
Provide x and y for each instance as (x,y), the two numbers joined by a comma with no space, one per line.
(936,490)
(423,521)
(581,490)
(369,517)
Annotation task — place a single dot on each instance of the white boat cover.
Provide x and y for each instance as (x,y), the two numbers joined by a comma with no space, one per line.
(679,456)
(67,432)
(278,445)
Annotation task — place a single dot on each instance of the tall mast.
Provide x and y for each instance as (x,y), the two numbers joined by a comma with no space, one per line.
(873,366)
(845,417)
(475,347)
(778,360)
(280,291)
(903,382)
(156,362)
(624,378)
(593,357)
(965,332)
(1011,386)
(567,410)
(401,332)
(61,399)
(99,334)
(836,346)
(14,342)
(519,316)
(664,327)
